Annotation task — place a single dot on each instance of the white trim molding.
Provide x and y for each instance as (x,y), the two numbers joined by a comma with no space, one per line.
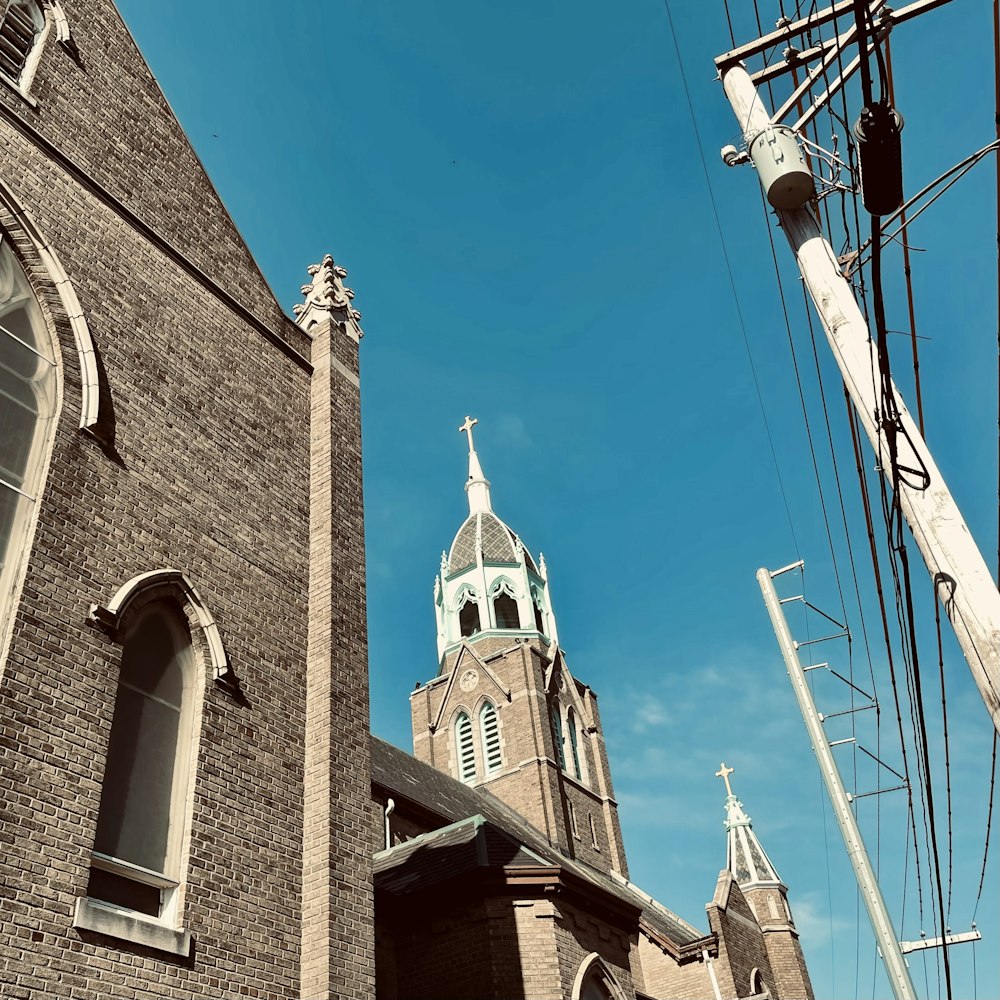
(172,581)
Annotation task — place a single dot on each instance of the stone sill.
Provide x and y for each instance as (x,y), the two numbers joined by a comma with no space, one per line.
(91,915)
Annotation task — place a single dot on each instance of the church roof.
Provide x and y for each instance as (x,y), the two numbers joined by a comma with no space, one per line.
(467,810)
(498,541)
(453,850)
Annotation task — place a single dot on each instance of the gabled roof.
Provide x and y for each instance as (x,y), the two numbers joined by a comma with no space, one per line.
(465,811)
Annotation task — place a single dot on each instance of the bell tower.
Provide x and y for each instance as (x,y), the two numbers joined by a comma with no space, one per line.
(503,711)
(766,895)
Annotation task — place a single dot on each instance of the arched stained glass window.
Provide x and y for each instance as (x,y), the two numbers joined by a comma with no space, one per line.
(28,404)
(466,749)
(573,742)
(21,24)
(143,801)
(490,729)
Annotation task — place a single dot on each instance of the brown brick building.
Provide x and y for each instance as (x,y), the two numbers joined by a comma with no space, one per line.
(190,796)
(183,681)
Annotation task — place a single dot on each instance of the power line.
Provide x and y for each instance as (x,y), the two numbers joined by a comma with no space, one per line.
(729,271)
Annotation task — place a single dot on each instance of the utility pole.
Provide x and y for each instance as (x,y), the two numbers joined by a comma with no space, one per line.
(961,578)
(888,941)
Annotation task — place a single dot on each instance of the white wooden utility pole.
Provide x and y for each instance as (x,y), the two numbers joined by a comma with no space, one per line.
(961,578)
(888,942)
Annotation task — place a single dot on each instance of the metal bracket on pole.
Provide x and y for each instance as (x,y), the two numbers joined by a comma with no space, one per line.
(885,935)
(937,942)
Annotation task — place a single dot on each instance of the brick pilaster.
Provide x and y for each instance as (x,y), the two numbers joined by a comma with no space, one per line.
(337,903)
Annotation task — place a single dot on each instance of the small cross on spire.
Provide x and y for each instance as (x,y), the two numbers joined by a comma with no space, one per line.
(470,422)
(724,773)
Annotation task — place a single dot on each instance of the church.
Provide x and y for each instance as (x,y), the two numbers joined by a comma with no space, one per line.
(192,802)
(503,871)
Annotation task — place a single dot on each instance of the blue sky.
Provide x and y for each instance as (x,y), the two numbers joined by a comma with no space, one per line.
(517,193)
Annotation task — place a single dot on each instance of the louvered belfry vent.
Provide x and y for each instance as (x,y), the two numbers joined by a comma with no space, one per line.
(466,749)
(491,738)
(20,24)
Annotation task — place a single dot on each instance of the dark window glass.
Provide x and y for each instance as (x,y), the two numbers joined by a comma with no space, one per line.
(505,609)
(111,888)
(143,790)
(468,618)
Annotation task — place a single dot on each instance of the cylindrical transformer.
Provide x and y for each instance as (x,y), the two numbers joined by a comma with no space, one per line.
(781,167)
(881,157)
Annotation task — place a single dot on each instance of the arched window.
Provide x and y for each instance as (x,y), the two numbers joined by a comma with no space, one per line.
(573,743)
(143,813)
(466,749)
(772,907)
(557,736)
(28,403)
(505,611)
(469,621)
(594,981)
(490,731)
(21,26)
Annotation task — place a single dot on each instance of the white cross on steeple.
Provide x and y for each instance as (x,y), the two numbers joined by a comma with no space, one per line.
(477,486)
(724,773)
(470,422)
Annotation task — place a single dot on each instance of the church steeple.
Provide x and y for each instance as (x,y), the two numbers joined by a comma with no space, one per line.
(766,895)
(504,710)
(477,486)
(488,582)
(745,857)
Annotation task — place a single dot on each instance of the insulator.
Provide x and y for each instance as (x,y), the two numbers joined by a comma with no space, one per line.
(881,156)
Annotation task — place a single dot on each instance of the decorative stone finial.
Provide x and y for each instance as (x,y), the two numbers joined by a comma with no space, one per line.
(327,294)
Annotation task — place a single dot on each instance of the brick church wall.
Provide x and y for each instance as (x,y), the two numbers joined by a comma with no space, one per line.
(207,472)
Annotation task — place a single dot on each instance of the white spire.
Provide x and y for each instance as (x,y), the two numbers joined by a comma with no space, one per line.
(745,857)
(477,486)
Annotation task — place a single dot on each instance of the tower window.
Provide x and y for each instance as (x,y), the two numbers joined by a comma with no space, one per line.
(469,622)
(466,749)
(27,409)
(137,850)
(20,25)
(573,742)
(557,736)
(468,618)
(505,610)
(491,738)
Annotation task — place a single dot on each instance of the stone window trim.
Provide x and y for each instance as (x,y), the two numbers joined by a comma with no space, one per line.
(594,971)
(165,583)
(53,19)
(66,309)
